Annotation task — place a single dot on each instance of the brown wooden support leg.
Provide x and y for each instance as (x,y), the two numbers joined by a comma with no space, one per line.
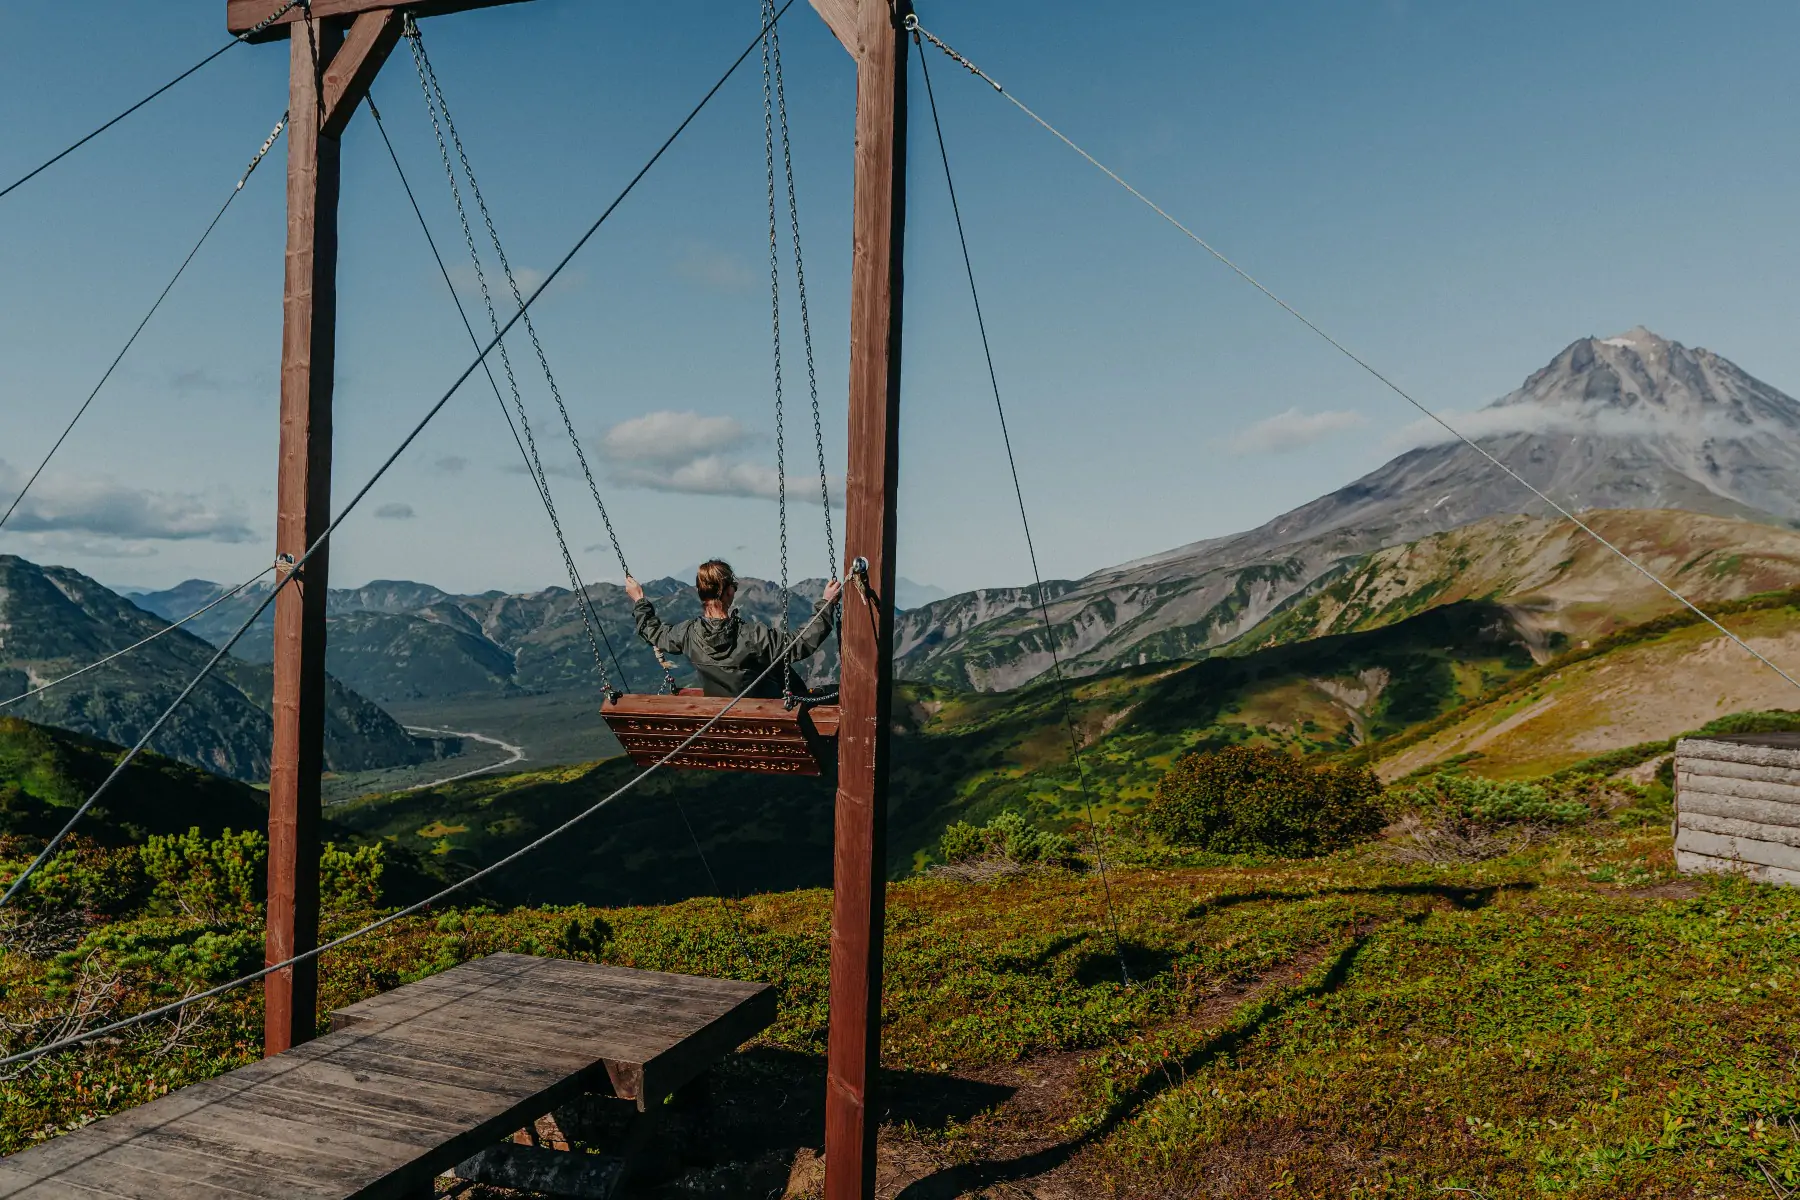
(303,486)
(859,862)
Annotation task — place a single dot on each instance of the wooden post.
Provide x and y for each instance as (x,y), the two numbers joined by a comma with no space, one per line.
(303,489)
(859,860)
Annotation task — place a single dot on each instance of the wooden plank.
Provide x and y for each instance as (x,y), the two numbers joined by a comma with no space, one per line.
(1747,789)
(1693,863)
(1777,754)
(840,18)
(746,717)
(1697,800)
(753,764)
(859,851)
(303,498)
(434,1073)
(353,68)
(1738,849)
(244,15)
(1735,770)
(1738,827)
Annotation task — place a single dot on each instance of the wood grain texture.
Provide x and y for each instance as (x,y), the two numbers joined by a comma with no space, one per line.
(755,735)
(1763,750)
(1692,863)
(1697,801)
(1704,780)
(353,68)
(840,17)
(244,15)
(1738,849)
(859,848)
(1739,827)
(1789,775)
(408,1085)
(303,510)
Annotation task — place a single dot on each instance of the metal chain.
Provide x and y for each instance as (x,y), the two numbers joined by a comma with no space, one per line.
(812,374)
(589,618)
(768,13)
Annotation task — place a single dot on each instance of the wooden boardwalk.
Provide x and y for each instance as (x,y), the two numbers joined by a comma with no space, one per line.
(408,1085)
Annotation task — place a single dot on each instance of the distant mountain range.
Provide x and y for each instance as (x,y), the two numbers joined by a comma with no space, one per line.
(1634,421)
(54,620)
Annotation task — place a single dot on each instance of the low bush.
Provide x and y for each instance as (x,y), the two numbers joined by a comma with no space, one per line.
(1254,800)
(1496,802)
(1006,838)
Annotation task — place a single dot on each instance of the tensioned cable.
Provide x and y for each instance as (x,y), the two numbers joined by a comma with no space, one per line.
(255,162)
(411,436)
(1062,685)
(116,654)
(409,910)
(62,154)
(532,468)
(912,24)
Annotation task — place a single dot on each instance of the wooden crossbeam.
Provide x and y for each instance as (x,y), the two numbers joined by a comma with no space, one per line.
(241,16)
(353,68)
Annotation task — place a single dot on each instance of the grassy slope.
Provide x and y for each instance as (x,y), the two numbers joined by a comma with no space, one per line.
(958,756)
(1556,579)
(1564,1022)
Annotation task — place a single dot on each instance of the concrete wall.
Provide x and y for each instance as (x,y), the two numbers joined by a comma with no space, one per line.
(1737,806)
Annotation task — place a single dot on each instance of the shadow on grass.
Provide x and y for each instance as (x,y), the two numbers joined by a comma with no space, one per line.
(968,1177)
(1464,899)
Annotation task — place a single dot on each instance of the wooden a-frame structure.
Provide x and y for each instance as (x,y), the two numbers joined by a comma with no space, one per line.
(336,48)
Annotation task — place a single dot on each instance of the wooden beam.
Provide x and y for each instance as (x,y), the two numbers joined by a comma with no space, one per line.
(840,16)
(372,37)
(303,497)
(241,16)
(859,858)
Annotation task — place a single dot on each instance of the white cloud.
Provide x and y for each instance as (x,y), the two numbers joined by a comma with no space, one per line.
(1535,417)
(672,438)
(395,512)
(100,507)
(1292,429)
(688,452)
(718,270)
(468,285)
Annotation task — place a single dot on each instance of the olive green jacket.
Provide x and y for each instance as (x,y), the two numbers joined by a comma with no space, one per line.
(729,653)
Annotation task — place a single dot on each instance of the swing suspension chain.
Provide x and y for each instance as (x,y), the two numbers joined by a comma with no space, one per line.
(774,114)
(433,102)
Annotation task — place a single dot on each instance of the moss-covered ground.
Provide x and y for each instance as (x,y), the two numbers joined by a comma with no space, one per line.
(1571,1020)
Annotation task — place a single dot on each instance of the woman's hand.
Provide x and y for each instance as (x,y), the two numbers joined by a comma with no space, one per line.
(634,589)
(832,591)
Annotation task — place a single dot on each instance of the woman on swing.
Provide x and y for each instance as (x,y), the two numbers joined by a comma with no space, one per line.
(728,652)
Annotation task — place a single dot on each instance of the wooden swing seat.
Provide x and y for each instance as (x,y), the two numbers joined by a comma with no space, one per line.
(756,735)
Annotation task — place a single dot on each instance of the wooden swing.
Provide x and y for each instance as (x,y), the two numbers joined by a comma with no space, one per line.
(764,736)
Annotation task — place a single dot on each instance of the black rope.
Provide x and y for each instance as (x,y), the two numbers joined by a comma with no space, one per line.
(1025,520)
(406,442)
(132,340)
(73,147)
(589,616)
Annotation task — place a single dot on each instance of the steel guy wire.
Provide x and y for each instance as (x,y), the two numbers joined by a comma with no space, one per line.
(534,463)
(1043,603)
(530,463)
(912,25)
(250,170)
(583,603)
(117,654)
(427,74)
(64,153)
(387,463)
(176,1006)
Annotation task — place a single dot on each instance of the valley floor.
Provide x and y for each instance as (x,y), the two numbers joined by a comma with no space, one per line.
(1571,1020)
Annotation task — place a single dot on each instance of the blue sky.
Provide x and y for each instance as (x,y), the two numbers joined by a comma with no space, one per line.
(1456,190)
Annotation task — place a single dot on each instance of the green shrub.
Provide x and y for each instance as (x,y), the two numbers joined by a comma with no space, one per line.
(1254,800)
(1008,836)
(1504,802)
(351,878)
(215,880)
